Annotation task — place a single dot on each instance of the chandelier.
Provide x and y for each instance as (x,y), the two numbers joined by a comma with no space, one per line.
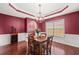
(39,18)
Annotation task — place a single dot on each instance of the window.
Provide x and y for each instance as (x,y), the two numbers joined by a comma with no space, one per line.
(55,28)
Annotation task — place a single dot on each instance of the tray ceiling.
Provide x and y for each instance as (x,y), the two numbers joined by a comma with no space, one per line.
(33,8)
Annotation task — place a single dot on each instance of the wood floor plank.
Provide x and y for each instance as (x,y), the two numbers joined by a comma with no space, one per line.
(21,49)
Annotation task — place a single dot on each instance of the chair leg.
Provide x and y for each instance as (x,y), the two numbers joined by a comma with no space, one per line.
(50,51)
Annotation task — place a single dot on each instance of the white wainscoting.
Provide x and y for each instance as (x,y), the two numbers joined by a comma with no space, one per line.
(68,39)
(22,37)
(5,38)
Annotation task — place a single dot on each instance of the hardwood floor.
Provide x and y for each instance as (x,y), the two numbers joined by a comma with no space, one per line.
(14,49)
(21,49)
(62,49)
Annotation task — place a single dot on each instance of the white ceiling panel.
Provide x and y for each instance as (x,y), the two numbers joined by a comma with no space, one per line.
(33,8)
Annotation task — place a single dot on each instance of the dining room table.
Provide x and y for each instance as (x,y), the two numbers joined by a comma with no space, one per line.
(39,45)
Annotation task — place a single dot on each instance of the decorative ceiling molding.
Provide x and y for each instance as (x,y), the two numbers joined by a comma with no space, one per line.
(54,12)
(63,9)
(20,10)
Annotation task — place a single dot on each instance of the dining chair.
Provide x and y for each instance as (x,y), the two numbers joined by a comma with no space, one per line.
(49,45)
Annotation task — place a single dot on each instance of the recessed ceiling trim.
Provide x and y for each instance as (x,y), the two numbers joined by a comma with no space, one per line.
(20,10)
(16,9)
(58,11)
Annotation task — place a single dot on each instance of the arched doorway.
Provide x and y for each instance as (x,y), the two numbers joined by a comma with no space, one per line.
(31,26)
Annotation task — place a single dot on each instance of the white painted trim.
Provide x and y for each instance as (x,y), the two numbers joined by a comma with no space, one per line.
(22,37)
(68,39)
(5,38)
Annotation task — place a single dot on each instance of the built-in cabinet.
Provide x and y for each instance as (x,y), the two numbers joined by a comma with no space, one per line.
(14,38)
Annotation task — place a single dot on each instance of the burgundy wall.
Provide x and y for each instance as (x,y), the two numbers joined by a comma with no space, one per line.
(25,24)
(7,21)
(41,26)
(71,22)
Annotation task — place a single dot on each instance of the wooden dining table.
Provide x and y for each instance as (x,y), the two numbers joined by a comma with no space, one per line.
(38,46)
